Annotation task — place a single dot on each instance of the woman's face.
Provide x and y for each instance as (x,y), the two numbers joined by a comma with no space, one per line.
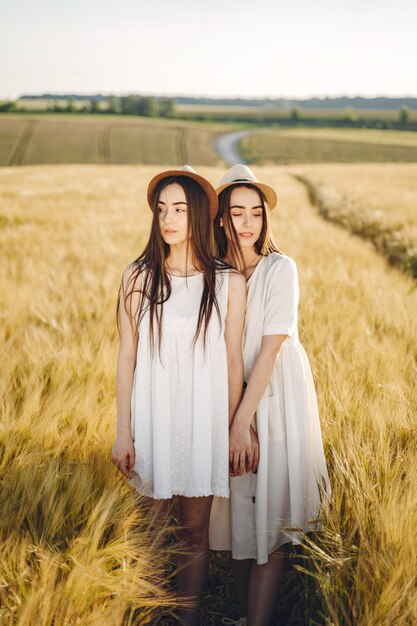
(247,216)
(173,214)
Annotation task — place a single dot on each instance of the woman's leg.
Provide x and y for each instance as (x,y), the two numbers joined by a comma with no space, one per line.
(263,588)
(241,572)
(193,521)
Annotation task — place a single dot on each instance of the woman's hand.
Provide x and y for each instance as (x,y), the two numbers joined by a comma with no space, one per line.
(255,451)
(240,449)
(123,454)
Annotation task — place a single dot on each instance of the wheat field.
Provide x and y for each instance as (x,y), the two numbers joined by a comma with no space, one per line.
(386,192)
(376,202)
(47,139)
(76,547)
(328,145)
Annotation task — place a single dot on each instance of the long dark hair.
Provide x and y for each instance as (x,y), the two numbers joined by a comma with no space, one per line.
(149,278)
(263,246)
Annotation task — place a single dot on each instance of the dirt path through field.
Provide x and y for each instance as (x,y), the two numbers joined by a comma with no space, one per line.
(399,249)
(226,146)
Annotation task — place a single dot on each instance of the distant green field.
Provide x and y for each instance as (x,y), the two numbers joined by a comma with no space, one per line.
(329,145)
(48,139)
(275,114)
(220,110)
(37,104)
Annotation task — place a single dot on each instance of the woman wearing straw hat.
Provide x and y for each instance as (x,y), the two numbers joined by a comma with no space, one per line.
(176,394)
(279,402)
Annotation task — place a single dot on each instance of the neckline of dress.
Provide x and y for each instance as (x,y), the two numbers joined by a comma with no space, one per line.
(186,275)
(255,270)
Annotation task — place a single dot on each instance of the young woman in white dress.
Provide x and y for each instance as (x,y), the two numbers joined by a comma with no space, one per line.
(180,368)
(279,401)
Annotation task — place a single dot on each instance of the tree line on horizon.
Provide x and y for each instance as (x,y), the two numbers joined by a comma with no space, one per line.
(147,106)
(327,102)
(165,107)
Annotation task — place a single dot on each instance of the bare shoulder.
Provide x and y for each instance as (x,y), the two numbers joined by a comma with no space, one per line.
(131,287)
(133,281)
(131,272)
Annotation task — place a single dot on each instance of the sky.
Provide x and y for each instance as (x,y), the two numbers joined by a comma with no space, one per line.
(258,48)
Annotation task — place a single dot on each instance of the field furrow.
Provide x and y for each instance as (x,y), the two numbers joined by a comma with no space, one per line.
(48,139)
(23,142)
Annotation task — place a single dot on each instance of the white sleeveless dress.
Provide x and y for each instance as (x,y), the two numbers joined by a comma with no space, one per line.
(284,494)
(179,408)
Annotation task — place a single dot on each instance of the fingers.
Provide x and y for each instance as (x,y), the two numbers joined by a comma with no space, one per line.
(249,456)
(231,473)
(235,464)
(255,450)
(242,459)
(255,460)
(122,466)
(241,462)
(123,453)
(125,464)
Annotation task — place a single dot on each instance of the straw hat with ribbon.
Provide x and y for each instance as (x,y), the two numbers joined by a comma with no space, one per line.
(242,174)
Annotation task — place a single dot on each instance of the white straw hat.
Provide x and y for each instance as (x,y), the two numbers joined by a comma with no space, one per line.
(242,174)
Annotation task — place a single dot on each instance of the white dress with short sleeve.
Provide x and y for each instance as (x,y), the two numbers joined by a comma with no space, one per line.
(284,492)
(179,408)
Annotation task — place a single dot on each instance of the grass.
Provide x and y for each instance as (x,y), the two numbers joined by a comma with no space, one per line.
(360,330)
(328,145)
(105,139)
(75,546)
(74,542)
(52,139)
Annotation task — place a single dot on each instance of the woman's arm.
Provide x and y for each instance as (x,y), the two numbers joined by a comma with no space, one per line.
(242,446)
(259,379)
(257,384)
(123,453)
(280,316)
(235,320)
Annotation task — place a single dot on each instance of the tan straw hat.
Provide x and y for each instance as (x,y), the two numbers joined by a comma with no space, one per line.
(187,171)
(242,174)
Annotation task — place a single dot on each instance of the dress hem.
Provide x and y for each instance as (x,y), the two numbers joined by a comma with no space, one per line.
(222,494)
(293,541)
